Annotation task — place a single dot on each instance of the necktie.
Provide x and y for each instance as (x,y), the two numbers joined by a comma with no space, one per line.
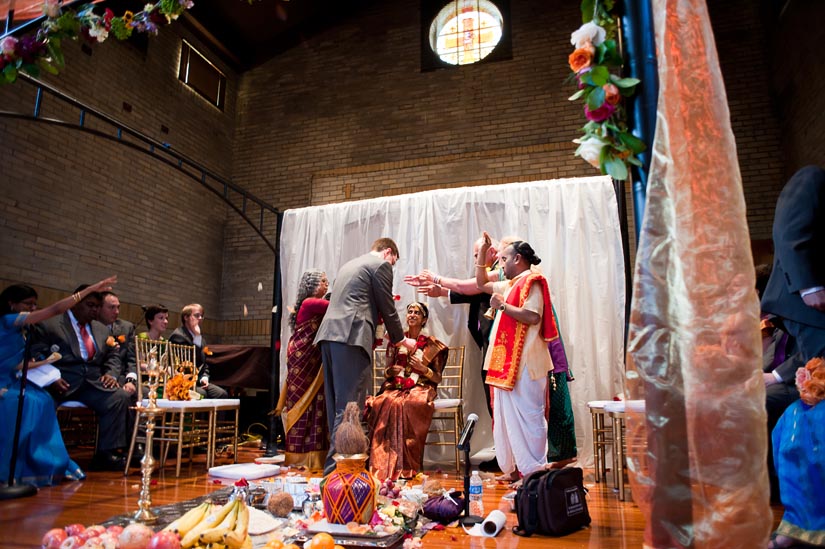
(87,342)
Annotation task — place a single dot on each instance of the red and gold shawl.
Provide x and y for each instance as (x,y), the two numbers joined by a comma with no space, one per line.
(508,345)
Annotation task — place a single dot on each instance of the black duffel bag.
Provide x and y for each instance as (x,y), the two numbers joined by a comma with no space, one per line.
(551,502)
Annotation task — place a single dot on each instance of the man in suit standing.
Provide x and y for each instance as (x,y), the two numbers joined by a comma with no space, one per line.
(89,368)
(122,333)
(189,333)
(796,288)
(362,290)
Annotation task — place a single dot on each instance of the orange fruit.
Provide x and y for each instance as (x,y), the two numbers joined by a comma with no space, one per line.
(322,540)
(274,544)
(291,546)
(338,547)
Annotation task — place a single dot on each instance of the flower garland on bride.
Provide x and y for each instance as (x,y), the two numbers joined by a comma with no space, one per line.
(42,50)
(606,144)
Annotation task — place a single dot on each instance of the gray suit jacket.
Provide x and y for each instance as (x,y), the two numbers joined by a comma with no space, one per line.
(74,370)
(125,349)
(362,290)
(799,242)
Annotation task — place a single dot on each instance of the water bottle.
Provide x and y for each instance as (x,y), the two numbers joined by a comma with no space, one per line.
(476,495)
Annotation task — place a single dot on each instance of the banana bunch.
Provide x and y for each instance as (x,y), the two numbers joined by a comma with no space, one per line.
(208,526)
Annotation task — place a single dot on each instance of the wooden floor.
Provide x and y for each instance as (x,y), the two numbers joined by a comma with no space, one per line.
(23,522)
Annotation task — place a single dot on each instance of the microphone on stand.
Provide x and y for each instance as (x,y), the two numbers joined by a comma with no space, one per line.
(467,433)
(464,444)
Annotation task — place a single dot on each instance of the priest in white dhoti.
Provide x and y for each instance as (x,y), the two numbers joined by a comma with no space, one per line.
(518,361)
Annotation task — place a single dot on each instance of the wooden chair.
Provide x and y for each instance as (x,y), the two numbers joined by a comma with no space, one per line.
(602,437)
(78,424)
(449,406)
(186,423)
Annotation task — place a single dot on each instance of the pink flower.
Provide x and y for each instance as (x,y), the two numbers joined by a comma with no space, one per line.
(601,114)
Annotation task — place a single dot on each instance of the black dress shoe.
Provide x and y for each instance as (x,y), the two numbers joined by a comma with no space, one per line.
(108,461)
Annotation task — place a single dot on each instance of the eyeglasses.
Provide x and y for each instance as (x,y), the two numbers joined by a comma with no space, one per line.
(198,315)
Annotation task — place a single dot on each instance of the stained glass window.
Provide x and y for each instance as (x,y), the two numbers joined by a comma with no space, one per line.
(466,31)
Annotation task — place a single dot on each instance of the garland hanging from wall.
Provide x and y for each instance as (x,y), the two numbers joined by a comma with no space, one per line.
(42,51)
(606,144)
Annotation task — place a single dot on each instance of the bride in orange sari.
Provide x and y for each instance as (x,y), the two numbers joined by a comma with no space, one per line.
(399,415)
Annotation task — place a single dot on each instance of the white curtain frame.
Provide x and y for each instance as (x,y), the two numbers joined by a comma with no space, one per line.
(573,224)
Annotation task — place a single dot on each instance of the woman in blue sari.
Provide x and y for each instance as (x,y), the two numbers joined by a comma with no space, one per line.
(798,444)
(42,458)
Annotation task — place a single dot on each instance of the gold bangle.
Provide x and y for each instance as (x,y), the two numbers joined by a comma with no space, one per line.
(482,266)
(76,297)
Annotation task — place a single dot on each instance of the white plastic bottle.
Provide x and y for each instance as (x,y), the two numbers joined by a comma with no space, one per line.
(476,495)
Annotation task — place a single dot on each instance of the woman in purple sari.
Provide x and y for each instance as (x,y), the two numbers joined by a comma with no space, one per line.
(302,401)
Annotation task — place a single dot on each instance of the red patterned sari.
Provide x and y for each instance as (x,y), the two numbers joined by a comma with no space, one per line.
(304,411)
(399,416)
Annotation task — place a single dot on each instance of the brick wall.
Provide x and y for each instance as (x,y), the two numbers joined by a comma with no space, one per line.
(799,81)
(75,207)
(345,115)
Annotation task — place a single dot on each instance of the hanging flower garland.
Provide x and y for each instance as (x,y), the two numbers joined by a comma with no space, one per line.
(42,50)
(606,144)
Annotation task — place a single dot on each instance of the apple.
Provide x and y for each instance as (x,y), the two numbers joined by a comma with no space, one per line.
(75,529)
(135,536)
(164,540)
(54,538)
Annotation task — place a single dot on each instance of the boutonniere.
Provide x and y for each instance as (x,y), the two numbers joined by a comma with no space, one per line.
(121,338)
(207,351)
(110,341)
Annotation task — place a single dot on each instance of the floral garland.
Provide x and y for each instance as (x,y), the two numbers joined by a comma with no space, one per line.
(42,50)
(606,144)
(406,382)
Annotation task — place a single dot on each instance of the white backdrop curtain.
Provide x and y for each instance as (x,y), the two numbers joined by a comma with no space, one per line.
(573,225)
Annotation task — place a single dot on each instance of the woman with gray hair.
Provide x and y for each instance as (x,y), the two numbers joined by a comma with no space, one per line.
(302,400)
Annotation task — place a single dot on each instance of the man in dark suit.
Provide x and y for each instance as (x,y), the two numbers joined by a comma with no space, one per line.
(362,290)
(89,368)
(122,333)
(796,288)
(189,333)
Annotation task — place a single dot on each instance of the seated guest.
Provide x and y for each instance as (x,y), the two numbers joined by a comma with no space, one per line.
(399,416)
(42,458)
(89,369)
(189,333)
(798,440)
(302,400)
(157,319)
(122,334)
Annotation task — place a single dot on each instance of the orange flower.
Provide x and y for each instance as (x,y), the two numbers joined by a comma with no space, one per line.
(110,341)
(581,58)
(177,388)
(207,351)
(611,94)
(121,338)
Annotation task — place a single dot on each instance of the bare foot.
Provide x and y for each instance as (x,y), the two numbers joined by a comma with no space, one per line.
(561,464)
(508,477)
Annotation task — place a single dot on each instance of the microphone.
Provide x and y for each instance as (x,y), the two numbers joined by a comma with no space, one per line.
(54,348)
(467,433)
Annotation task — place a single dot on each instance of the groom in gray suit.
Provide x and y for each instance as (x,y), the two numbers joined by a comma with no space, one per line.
(362,290)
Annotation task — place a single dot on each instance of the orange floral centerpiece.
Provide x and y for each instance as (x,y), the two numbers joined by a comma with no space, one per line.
(178,387)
